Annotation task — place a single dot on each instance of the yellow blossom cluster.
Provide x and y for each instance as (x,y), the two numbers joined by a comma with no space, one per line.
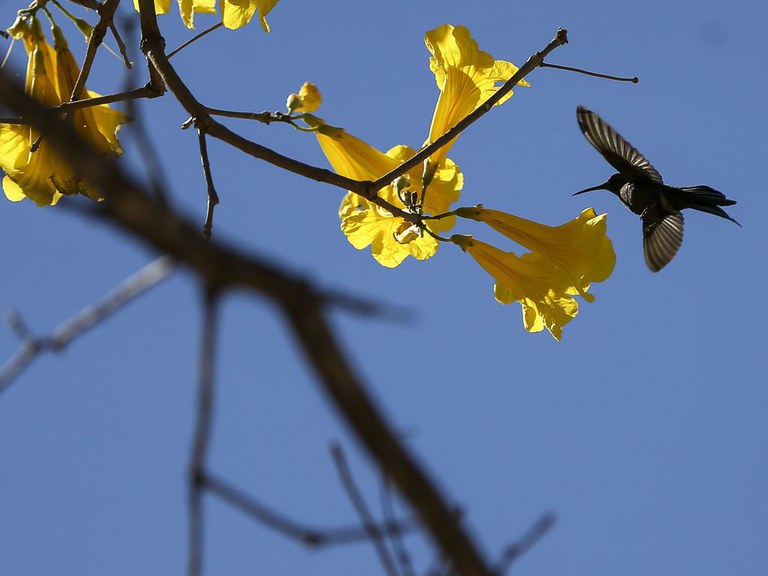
(563,261)
(33,169)
(234,13)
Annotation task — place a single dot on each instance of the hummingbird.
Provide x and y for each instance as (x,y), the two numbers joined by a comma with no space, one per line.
(640,188)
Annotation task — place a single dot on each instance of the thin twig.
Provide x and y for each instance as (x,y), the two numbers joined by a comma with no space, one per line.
(313,537)
(135,285)
(106,13)
(401,553)
(202,435)
(263,117)
(195,38)
(561,38)
(213,197)
(120,45)
(633,79)
(362,510)
(531,537)
(126,96)
(138,129)
(153,47)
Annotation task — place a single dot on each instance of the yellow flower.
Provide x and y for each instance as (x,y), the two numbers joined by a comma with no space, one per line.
(366,224)
(580,248)
(187,9)
(307,100)
(466,77)
(41,175)
(543,290)
(237,13)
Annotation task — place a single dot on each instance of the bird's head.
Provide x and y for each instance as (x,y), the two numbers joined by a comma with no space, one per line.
(613,184)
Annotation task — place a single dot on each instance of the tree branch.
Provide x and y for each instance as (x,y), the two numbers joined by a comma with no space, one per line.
(313,537)
(137,284)
(128,206)
(202,435)
(561,37)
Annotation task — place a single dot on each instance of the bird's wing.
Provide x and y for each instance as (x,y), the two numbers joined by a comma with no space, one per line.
(618,152)
(662,236)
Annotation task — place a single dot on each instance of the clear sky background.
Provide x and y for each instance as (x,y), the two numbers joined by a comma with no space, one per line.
(644,430)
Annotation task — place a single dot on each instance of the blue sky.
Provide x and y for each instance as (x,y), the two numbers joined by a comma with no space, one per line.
(643,430)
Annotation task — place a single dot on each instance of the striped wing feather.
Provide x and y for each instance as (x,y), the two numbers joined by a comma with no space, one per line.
(616,150)
(662,237)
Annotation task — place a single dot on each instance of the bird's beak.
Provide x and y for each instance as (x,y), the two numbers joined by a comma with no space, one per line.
(601,187)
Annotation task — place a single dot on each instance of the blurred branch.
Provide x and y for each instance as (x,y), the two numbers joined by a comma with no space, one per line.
(202,434)
(531,537)
(135,285)
(369,525)
(387,505)
(313,537)
(128,206)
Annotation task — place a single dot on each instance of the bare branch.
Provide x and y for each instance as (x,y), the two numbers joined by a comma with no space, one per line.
(515,550)
(213,197)
(135,285)
(633,79)
(313,537)
(106,13)
(202,435)
(362,510)
(143,92)
(403,558)
(195,38)
(120,45)
(561,38)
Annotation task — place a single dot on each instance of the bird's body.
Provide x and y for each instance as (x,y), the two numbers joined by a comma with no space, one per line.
(640,188)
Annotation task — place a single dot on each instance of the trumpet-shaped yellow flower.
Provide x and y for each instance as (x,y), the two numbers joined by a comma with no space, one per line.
(391,238)
(237,13)
(41,175)
(580,248)
(307,100)
(466,77)
(543,290)
(187,9)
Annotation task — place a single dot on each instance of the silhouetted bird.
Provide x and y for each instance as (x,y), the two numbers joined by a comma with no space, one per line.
(639,186)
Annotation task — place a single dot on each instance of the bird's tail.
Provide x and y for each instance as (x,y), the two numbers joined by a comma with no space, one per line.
(707,199)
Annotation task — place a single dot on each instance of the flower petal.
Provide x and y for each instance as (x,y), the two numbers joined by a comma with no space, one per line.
(466,77)
(580,247)
(541,288)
